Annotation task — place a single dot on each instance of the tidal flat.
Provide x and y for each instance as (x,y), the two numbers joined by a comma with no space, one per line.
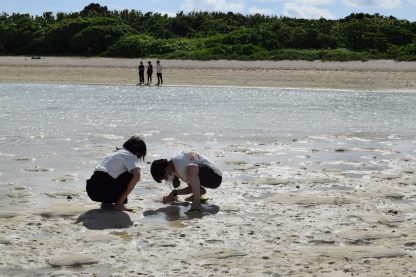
(316,182)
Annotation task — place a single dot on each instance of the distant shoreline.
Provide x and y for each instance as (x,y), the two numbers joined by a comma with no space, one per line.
(356,75)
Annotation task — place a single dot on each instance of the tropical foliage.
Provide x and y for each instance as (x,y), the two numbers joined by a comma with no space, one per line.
(97,31)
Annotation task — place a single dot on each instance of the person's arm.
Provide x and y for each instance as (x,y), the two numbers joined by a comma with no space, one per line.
(133,181)
(172,196)
(192,172)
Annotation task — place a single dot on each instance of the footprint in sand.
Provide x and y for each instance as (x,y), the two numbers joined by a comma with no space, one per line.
(38,169)
(72,260)
(65,178)
(20,192)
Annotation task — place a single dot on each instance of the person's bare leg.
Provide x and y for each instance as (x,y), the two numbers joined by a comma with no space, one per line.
(190,198)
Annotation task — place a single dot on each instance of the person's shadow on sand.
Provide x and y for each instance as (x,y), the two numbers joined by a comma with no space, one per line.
(100,219)
(180,211)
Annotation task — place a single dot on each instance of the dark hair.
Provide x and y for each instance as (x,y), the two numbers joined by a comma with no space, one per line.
(137,146)
(157,169)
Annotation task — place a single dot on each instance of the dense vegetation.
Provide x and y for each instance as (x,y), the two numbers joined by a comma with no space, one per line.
(96,31)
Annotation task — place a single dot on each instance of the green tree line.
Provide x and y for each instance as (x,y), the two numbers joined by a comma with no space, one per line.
(97,31)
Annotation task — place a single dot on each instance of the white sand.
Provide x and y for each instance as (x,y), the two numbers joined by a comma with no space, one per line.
(373,75)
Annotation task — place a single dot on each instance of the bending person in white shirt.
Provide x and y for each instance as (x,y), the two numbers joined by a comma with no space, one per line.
(193,169)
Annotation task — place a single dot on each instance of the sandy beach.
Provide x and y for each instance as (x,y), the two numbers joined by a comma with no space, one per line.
(370,75)
(328,191)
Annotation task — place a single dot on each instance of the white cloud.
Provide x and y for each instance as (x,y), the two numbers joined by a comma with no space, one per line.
(303,2)
(213,5)
(305,11)
(373,3)
(254,10)
(170,14)
(267,1)
(314,2)
(116,7)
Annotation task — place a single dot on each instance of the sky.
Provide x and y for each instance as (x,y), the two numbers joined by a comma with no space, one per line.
(309,9)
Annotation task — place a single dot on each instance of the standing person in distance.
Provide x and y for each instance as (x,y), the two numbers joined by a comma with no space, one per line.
(117,175)
(141,73)
(159,73)
(149,72)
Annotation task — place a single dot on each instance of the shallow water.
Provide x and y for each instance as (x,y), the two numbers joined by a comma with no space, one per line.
(314,181)
(52,135)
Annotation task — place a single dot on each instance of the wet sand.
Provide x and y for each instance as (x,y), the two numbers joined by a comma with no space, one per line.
(329,205)
(300,214)
(371,75)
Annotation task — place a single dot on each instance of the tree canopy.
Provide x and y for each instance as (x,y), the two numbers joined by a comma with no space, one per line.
(98,31)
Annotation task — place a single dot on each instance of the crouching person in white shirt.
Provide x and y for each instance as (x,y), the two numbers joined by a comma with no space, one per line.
(117,175)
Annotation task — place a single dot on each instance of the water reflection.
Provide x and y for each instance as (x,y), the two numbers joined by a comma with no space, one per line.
(179,211)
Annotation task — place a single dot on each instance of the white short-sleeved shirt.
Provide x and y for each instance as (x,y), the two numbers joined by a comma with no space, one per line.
(159,68)
(184,159)
(118,162)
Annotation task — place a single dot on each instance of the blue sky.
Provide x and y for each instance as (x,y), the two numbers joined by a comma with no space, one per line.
(330,9)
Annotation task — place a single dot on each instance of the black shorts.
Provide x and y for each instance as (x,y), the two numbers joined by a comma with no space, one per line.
(101,187)
(209,176)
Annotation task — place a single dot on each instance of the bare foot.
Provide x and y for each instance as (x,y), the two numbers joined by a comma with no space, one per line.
(196,208)
(122,208)
(169,199)
(115,207)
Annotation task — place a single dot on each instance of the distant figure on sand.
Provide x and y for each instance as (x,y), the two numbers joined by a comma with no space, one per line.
(159,73)
(149,72)
(117,175)
(141,73)
(192,168)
